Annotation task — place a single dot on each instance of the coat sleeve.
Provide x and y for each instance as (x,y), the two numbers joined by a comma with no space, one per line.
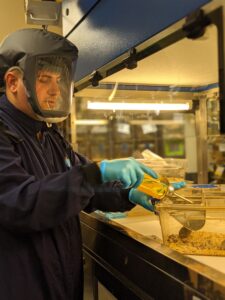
(28,204)
(108,196)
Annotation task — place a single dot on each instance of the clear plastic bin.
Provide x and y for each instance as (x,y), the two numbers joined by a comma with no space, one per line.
(194,228)
(167,167)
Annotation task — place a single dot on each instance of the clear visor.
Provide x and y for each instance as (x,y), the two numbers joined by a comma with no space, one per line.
(53,86)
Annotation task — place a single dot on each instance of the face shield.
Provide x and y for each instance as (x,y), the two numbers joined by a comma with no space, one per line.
(48,80)
(48,63)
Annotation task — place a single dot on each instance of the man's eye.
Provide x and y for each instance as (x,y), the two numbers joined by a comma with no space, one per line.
(44,79)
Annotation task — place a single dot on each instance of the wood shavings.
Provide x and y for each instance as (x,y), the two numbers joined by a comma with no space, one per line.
(198,243)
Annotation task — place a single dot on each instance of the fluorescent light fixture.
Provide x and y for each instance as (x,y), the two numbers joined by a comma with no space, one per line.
(138,106)
(91,122)
(156,122)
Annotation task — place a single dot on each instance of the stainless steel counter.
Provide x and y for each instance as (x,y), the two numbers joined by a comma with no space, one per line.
(149,226)
(130,260)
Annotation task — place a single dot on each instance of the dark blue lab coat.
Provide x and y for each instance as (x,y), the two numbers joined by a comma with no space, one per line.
(43,187)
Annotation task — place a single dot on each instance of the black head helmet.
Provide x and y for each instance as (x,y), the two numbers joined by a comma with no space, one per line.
(37,52)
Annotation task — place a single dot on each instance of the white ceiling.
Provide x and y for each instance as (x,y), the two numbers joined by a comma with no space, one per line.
(188,63)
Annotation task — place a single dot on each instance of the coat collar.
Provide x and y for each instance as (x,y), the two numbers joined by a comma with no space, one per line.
(29,124)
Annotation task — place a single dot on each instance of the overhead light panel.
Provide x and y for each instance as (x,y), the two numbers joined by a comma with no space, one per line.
(138,106)
(91,122)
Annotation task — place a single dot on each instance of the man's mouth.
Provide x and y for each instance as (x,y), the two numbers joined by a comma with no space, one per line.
(51,101)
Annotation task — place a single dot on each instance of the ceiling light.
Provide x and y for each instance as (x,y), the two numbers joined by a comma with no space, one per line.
(91,122)
(138,106)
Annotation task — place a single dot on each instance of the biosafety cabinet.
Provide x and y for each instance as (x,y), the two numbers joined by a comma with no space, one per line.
(150,75)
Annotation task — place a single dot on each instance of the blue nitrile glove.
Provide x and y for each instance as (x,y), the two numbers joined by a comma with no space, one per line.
(137,197)
(178,185)
(111,215)
(129,171)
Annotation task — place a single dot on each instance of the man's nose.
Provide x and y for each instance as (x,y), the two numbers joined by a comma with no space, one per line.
(54,88)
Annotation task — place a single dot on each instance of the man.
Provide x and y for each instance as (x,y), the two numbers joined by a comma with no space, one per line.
(43,184)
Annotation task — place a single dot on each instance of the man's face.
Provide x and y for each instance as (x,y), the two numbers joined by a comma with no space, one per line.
(48,90)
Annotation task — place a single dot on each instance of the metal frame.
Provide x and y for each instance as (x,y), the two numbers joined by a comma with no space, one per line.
(201,133)
(127,263)
(192,27)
